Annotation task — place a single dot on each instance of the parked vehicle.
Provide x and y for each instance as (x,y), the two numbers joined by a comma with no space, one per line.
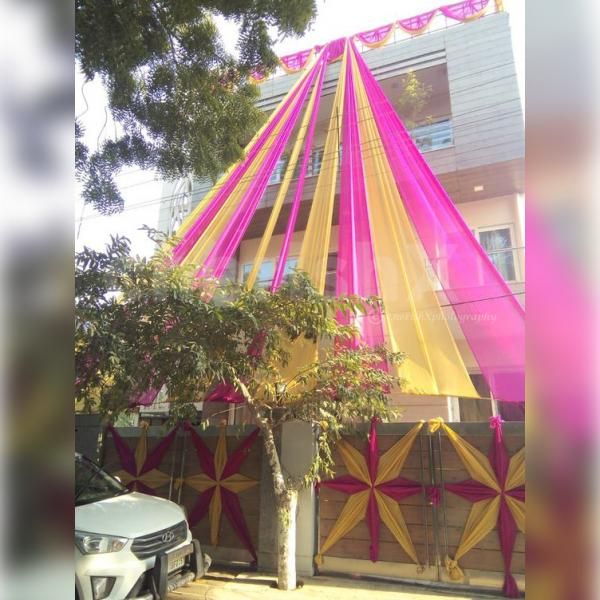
(127,544)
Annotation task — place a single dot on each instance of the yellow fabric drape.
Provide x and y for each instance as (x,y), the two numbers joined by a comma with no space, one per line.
(517,509)
(220,456)
(352,514)
(476,463)
(482,519)
(389,466)
(285,184)
(392,461)
(354,461)
(415,323)
(516,470)
(315,245)
(391,515)
(214,516)
(199,209)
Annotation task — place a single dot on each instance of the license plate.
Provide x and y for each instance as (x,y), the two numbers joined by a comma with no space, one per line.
(176,559)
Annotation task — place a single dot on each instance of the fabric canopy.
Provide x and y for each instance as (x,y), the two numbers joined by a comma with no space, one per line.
(400,235)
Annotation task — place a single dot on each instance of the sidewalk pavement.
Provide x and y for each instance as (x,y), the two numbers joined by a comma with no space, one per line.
(220,585)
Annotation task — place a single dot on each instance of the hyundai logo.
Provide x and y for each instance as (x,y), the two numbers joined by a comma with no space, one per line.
(167,537)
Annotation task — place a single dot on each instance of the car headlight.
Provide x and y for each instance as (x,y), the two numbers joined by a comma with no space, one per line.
(96,543)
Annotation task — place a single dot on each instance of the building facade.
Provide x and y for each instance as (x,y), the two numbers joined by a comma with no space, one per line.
(471,132)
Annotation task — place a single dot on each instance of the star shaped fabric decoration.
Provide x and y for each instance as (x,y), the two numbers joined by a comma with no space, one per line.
(374,487)
(219,484)
(497,491)
(140,472)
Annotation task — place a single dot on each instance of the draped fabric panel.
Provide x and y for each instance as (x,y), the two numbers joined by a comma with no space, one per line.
(490,317)
(291,224)
(292,63)
(466,10)
(374,487)
(415,323)
(239,176)
(374,38)
(223,248)
(417,24)
(498,496)
(356,273)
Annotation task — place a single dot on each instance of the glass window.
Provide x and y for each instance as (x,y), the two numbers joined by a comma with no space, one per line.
(316,160)
(279,170)
(331,274)
(93,484)
(433,136)
(498,245)
(267,271)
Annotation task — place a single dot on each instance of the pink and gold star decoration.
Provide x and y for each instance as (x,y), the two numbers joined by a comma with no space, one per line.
(497,491)
(374,487)
(140,472)
(219,485)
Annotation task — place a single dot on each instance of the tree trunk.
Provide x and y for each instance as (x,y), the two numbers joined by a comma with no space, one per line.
(286,499)
(287,505)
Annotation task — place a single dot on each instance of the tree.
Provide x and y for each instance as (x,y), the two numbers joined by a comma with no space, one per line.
(412,100)
(167,328)
(183,103)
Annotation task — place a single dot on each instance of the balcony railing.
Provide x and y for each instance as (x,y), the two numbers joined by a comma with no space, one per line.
(433,136)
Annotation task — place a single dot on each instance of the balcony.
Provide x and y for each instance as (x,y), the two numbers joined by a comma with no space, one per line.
(433,136)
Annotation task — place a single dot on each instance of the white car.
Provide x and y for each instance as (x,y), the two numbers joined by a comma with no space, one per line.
(127,544)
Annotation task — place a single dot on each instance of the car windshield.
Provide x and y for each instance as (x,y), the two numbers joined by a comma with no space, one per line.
(93,484)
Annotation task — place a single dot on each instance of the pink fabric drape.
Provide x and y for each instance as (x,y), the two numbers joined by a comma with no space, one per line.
(126,455)
(463,11)
(335,49)
(205,456)
(233,511)
(490,316)
(221,253)
(417,23)
(373,36)
(356,271)
(293,217)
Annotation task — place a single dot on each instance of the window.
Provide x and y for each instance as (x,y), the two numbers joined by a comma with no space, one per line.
(267,271)
(497,242)
(330,277)
(433,136)
(278,171)
(316,160)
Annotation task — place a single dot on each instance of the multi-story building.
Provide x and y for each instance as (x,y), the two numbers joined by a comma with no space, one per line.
(471,132)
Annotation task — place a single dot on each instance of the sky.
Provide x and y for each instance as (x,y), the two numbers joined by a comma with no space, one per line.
(142,189)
